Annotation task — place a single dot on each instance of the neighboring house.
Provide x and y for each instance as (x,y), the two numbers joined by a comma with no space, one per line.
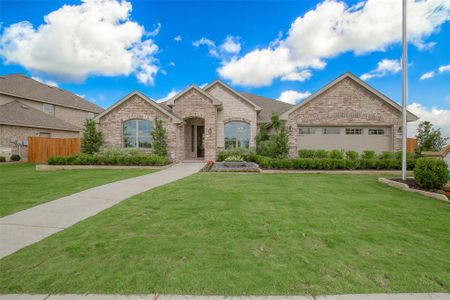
(31,108)
(346,114)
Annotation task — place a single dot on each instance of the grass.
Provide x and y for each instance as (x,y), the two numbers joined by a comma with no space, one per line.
(23,187)
(233,234)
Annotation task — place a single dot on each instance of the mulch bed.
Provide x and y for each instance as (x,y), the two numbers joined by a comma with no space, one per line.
(413,184)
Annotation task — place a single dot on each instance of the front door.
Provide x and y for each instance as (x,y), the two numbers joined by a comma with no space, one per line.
(200,145)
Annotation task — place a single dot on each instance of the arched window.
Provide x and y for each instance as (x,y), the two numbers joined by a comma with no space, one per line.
(137,134)
(237,135)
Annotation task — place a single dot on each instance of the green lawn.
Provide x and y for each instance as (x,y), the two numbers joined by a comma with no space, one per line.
(21,186)
(257,234)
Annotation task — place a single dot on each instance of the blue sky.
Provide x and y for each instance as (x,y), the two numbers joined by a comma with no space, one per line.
(243,44)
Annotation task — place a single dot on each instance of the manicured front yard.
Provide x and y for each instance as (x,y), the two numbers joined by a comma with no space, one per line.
(235,234)
(21,186)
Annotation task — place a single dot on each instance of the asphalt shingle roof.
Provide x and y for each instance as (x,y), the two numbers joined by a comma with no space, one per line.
(268,106)
(21,86)
(19,114)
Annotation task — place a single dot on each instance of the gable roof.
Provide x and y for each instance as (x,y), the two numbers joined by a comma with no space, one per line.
(174,118)
(268,106)
(18,85)
(232,91)
(410,116)
(213,99)
(17,113)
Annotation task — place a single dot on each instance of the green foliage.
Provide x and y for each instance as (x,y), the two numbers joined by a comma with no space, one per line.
(262,135)
(236,158)
(431,173)
(112,151)
(368,154)
(387,155)
(2,159)
(159,138)
(429,138)
(245,154)
(120,160)
(15,157)
(276,144)
(92,139)
(350,154)
(306,153)
(336,154)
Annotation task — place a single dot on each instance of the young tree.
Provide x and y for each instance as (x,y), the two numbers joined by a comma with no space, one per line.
(276,144)
(159,138)
(429,138)
(92,139)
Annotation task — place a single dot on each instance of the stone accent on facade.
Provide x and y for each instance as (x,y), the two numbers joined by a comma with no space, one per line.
(17,133)
(193,104)
(346,103)
(111,124)
(233,109)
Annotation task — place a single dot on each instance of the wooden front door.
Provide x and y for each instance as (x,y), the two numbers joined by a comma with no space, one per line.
(200,144)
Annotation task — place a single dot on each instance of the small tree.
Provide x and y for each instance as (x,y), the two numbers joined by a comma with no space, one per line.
(429,138)
(159,138)
(262,135)
(275,144)
(92,139)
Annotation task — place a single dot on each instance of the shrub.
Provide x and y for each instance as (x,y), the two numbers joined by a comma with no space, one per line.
(368,154)
(276,144)
(233,158)
(321,154)
(306,153)
(336,154)
(387,155)
(430,172)
(244,153)
(15,157)
(120,160)
(2,159)
(92,139)
(159,138)
(350,154)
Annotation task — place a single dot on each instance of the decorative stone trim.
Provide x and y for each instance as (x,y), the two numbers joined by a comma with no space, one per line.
(405,187)
(228,120)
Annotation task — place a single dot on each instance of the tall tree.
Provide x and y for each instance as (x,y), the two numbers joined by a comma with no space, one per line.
(92,139)
(159,138)
(429,138)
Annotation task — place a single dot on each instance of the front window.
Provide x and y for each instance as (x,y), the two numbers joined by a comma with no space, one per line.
(376,131)
(137,134)
(48,109)
(353,131)
(331,130)
(306,130)
(237,135)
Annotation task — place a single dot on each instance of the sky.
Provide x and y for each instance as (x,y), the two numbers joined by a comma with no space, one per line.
(285,50)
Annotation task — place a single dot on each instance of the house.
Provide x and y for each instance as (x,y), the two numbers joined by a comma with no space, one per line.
(346,114)
(31,108)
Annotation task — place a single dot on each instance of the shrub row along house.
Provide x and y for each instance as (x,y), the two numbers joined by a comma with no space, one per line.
(346,114)
(31,108)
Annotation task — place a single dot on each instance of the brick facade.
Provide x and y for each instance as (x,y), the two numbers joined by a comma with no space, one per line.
(111,124)
(346,103)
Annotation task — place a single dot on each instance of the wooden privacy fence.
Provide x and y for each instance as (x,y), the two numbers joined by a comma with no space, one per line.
(411,145)
(41,148)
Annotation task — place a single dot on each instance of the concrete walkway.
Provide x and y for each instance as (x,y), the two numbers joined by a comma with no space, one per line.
(422,296)
(34,224)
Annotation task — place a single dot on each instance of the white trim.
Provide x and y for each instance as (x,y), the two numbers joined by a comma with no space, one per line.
(285,115)
(41,127)
(234,92)
(175,119)
(214,100)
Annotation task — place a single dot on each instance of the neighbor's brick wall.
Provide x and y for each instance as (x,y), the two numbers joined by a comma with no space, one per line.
(234,108)
(111,125)
(347,103)
(8,133)
(194,104)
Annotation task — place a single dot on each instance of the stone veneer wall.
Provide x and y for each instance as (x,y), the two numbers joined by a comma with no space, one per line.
(111,125)
(193,104)
(234,108)
(8,133)
(346,103)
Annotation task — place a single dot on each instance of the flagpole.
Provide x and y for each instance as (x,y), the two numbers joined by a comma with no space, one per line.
(404,86)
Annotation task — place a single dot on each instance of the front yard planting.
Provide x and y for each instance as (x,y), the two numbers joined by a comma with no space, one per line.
(255,234)
(23,187)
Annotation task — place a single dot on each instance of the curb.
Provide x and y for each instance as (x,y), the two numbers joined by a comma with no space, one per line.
(405,187)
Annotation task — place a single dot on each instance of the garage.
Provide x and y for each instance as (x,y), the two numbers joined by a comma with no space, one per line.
(378,139)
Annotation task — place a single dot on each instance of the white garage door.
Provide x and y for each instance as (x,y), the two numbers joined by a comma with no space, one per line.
(359,139)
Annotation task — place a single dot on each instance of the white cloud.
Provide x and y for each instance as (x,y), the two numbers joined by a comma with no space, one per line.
(203,85)
(443,69)
(333,28)
(384,67)
(96,37)
(297,76)
(293,97)
(177,38)
(169,95)
(231,45)
(47,82)
(172,64)
(203,41)
(427,75)
(438,117)
(155,31)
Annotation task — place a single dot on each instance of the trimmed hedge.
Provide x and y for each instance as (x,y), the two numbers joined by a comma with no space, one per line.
(15,157)
(431,173)
(122,160)
(2,159)
(330,163)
